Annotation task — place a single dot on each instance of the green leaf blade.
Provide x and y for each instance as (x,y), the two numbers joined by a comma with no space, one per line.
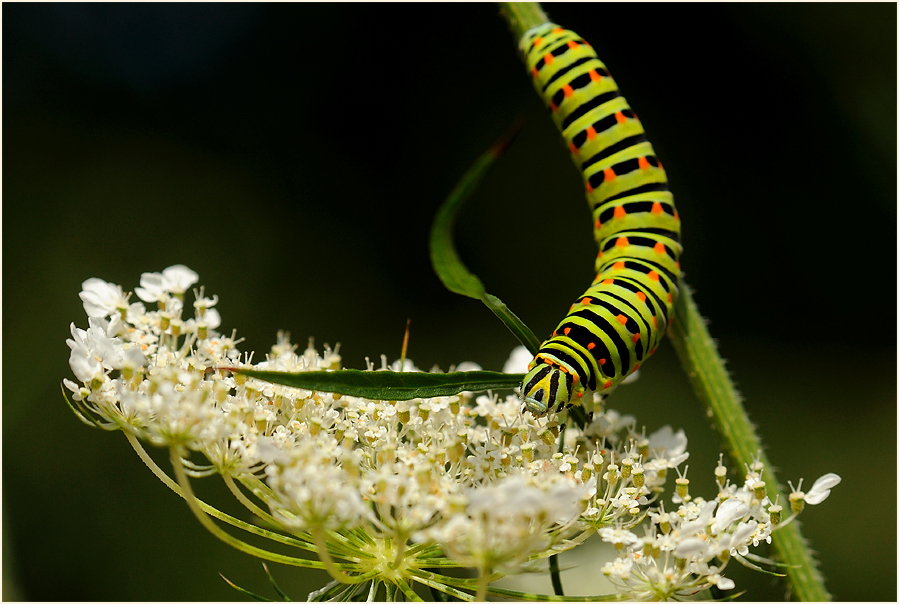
(444,258)
(511,320)
(388,385)
(446,261)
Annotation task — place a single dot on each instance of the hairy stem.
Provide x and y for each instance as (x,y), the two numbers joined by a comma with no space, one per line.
(712,384)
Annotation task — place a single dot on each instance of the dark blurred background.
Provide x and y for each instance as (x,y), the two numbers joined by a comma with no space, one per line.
(294,155)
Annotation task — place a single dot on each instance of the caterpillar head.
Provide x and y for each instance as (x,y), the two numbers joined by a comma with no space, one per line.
(549,388)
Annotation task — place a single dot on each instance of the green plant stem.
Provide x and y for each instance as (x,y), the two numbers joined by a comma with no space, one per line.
(250,528)
(321,545)
(522,16)
(713,386)
(210,526)
(483,583)
(252,507)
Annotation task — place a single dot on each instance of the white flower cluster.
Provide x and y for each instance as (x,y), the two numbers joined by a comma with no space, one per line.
(473,479)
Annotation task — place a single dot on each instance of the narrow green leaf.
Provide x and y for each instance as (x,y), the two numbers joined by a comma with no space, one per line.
(388,385)
(274,583)
(245,592)
(511,320)
(446,262)
(444,258)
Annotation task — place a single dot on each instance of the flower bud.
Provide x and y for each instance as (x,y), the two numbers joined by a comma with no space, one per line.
(527,452)
(454,405)
(775,513)
(664,523)
(643,447)
(612,474)
(650,548)
(627,465)
(456,451)
(758,490)
(682,487)
(639,477)
(720,474)
(547,437)
(797,501)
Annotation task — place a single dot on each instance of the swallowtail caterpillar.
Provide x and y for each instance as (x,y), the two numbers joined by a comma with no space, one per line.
(618,322)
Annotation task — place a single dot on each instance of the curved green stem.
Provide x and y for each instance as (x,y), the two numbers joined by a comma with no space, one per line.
(209,525)
(318,536)
(441,583)
(171,484)
(407,590)
(252,507)
(713,386)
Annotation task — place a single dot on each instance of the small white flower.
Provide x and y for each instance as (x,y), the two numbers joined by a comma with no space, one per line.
(468,366)
(173,280)
(697,517)
(619,568)
(728,512)
(102,299)
(518,360)
(618,537)
(665,441)
(211,318)
(78,392)
(179,278)
(203,302)
(821,489)
(691,547)
(84,365)
(721,581)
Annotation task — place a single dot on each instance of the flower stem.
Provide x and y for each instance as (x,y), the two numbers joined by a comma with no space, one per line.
(210,526)
(713,386)
(252,507)
(321,546)
(483,583)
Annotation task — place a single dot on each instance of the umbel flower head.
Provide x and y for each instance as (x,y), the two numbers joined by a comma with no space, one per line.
(389,494)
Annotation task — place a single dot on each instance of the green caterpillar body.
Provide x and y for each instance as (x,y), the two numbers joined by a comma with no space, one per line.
(620,319)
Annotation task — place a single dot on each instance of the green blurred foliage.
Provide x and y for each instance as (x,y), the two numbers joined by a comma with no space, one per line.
(293,155)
